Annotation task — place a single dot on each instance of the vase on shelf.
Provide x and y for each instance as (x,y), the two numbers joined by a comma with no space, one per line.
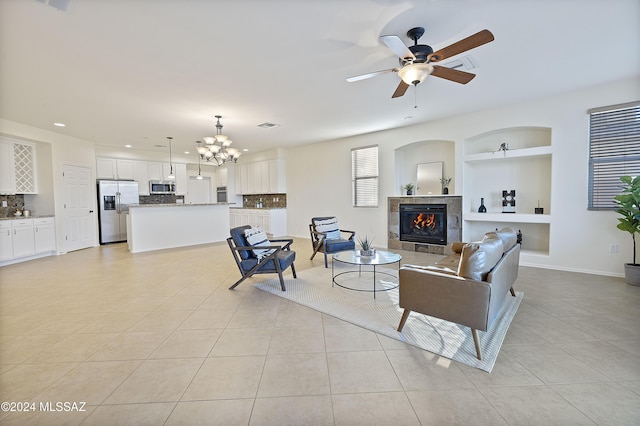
(482,208)
(445,190)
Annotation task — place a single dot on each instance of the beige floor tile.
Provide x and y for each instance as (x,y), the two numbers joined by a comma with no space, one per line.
(534,405)
(211,413)
(557,330)
(631,346)
(89,382)
(181,302)
(296,339)
(390,408)
(297,410)
(294,375)
(142,304)
(292,314)
(507,371)
(113,322)
(454,407)
(207,318)
(25,381)
(22,348)
(48,416)
(348,337)
(553,365)
(131,345)
(130,414)
(226,378)
(75,347)
(156,380)
(187,343)
(242,341)
(604,403)
(422,370)
(160,320)
(351,372)
(605,358)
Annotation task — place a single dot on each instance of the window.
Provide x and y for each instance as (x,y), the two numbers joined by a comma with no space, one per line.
(364,176)
(614,151)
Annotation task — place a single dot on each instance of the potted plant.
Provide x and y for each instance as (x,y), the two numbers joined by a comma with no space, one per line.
(409,188)
(445,181)
(365,245)
(629,208)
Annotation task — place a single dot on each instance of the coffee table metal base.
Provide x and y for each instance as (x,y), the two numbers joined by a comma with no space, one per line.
(383,258)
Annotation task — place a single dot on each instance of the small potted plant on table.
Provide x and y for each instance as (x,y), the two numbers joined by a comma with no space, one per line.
(365,245)
(629,208)
(445,181)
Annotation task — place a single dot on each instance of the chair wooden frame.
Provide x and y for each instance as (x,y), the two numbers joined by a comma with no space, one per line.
(273,257)
(319,241)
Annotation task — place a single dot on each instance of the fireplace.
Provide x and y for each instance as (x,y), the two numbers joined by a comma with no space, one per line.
(423,223)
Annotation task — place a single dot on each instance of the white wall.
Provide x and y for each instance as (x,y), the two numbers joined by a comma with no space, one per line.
(319,176)
(63,150)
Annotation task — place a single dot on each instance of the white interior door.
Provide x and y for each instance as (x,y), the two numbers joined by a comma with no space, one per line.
(79,217)
(199,191)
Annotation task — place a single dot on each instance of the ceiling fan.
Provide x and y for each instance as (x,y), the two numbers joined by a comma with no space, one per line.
(416,61)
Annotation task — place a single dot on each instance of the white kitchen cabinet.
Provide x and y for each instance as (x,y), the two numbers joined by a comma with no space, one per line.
(273,221)
(6,244)
(7,169)
(262,177)
(222,176)
(22,238)
(17,167)
(112,168)
(141,175)
(277,177)
(44,235)
(155,170)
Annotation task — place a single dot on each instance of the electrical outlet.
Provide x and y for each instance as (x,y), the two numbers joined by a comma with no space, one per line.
(613,248)
(4,203)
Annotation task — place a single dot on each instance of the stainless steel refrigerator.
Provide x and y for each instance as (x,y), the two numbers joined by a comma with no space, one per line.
(114,197)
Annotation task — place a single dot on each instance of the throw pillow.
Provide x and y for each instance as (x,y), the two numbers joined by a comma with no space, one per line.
(329,227)
(257,237)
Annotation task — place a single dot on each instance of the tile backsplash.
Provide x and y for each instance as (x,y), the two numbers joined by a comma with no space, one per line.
(269,201)
(160,199)
(14,202)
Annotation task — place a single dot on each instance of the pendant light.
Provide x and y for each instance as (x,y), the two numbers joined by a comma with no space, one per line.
(171,175)
(199,177)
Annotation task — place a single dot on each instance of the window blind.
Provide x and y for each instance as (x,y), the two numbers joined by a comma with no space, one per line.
(364,175)
(614,151)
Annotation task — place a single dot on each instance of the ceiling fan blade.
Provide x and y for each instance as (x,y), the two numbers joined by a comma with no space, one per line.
(473,41)
(371,74)
(394,43)
(400,90)
(457,76)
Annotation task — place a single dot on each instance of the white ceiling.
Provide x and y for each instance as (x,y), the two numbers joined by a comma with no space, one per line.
(133,72)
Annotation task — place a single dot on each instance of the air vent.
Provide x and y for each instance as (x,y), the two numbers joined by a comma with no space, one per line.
(160,146)
(463,64)
(267,125)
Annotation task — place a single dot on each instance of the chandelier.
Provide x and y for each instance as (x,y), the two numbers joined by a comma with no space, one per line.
(217,148)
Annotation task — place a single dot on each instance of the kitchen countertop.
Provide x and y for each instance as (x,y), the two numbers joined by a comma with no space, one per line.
(179,205)
(24,217)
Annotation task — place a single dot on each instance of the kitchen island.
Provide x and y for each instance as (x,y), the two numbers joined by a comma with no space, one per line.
(163,226)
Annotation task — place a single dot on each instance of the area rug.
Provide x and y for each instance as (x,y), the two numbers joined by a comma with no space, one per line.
(313,288)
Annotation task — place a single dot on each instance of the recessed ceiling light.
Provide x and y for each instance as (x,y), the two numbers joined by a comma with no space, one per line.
(245,150)
(186,152)
(127,146)
(59,124)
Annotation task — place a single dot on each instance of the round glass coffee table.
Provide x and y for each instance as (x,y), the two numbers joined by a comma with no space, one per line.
(353,257)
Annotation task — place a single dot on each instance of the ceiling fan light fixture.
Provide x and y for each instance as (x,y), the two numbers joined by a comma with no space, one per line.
(415,73)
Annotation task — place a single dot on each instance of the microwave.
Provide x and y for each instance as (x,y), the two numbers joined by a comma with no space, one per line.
(162,187)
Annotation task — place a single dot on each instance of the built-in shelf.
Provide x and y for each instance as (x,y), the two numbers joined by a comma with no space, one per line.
(538,151)
(507,217)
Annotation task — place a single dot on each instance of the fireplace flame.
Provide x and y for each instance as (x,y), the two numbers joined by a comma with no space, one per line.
(425,221)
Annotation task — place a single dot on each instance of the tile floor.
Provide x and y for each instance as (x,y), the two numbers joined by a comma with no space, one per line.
(157,338)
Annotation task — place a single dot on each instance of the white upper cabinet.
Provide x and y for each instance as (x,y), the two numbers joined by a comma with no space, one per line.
(262,177)
(17,167)
(111,168)
(181,178)
(141,175)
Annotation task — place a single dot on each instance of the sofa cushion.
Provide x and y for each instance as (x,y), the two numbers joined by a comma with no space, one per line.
(257,237)
(477,259)
(328,227)
(507,236)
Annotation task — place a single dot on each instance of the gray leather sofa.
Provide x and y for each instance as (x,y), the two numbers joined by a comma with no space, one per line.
(467,287)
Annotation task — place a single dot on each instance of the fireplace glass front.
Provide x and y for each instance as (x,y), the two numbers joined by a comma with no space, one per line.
(423,223)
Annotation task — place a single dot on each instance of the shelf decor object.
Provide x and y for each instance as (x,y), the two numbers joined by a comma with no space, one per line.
(445,181)
(482,208)
(538,210)
(509,201)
